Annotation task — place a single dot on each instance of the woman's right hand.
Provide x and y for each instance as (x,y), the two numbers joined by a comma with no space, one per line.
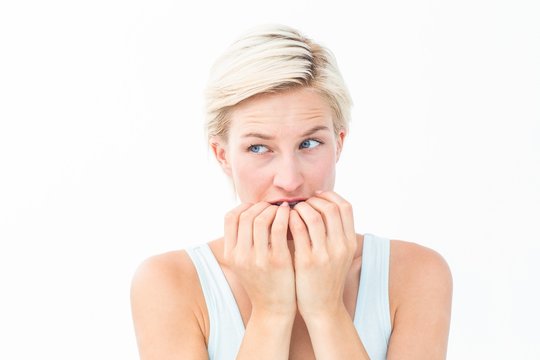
(257,252)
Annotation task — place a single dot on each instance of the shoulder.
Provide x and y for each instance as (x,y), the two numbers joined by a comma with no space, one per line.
(166,276)
(170,279)
(167,306)
(421,301)
(166,270)
(418,267)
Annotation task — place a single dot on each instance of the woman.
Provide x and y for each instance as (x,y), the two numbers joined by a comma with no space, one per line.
(290,278)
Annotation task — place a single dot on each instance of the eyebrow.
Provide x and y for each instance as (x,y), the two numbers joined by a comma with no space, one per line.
(268,137)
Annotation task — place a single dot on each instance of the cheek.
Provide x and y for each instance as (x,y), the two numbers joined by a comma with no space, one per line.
(323,172)
(249,173)
(243,172)
(251,181)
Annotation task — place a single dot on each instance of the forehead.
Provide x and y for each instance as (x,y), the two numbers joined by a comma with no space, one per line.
(284,111)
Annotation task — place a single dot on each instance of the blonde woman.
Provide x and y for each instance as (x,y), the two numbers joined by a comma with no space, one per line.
(290,278)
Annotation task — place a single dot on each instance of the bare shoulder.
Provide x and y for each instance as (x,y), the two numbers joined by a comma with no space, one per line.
(421,297)
(165,272)
(414,263)
(166,308)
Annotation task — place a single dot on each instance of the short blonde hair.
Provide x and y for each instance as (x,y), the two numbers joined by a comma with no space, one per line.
(270,59)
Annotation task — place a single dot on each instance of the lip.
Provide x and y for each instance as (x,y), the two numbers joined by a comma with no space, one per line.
(291,202)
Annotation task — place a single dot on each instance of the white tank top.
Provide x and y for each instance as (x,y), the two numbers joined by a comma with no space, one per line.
(371,317)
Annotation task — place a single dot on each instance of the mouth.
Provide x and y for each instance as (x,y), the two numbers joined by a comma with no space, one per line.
(291,203)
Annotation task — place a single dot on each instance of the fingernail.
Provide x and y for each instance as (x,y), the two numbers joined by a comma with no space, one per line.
(284,204)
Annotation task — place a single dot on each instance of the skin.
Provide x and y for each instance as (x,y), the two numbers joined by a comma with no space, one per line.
(294,271)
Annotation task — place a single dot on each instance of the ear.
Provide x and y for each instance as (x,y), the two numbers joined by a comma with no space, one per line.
(220,149)
(339,143)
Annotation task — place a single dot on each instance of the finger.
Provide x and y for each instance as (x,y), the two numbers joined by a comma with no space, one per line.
(314,223)
(231,227)
(261,230)
(345,209)
(245,227)
(278,235)
(331,217)
(300,234)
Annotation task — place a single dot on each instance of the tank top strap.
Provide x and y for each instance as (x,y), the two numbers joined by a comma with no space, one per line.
(226,325)
(372,314)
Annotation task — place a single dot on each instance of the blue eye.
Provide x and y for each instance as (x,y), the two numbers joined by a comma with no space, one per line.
(310,144)
(257,149)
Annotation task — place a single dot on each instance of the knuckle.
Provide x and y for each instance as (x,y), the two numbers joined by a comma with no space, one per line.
(231,216)
(353,243)
(297,226)
(280,260)
(260,221)
(303,262)
(332,208)
(346,206)
(321,258)
(242,263)
(245,216)
(344,252)
(261,262)
(314,219)
(278,228)
(227,258)
(340,250)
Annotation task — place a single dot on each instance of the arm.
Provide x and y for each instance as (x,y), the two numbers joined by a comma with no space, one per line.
(325,243)
(267,337)
(334,337)
(167,318)
(423,294)
(168,323)
(422,320)
(323,230)
(256,249)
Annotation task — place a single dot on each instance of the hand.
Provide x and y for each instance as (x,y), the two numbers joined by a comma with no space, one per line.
(257,252)
(325,244)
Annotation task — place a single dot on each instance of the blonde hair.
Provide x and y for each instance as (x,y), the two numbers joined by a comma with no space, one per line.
(270,59)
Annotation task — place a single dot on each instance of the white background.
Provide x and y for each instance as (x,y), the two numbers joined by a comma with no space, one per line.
(103,160)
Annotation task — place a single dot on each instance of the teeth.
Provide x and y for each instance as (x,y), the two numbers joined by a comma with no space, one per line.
(292,203)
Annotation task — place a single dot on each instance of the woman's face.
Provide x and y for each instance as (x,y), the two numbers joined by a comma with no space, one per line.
(281,147)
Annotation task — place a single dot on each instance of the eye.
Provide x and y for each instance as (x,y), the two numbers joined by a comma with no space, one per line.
(310,143)
(257,149)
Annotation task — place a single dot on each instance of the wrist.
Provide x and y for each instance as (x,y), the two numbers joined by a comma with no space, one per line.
(273,317)
(267,336)
(328,316)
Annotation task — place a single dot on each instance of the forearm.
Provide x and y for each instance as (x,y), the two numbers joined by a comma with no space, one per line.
(266,337)
(334,337)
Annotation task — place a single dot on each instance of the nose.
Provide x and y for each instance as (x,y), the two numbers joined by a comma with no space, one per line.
(288,175)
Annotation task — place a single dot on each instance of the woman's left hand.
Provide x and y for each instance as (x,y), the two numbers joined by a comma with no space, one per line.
(325,244)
